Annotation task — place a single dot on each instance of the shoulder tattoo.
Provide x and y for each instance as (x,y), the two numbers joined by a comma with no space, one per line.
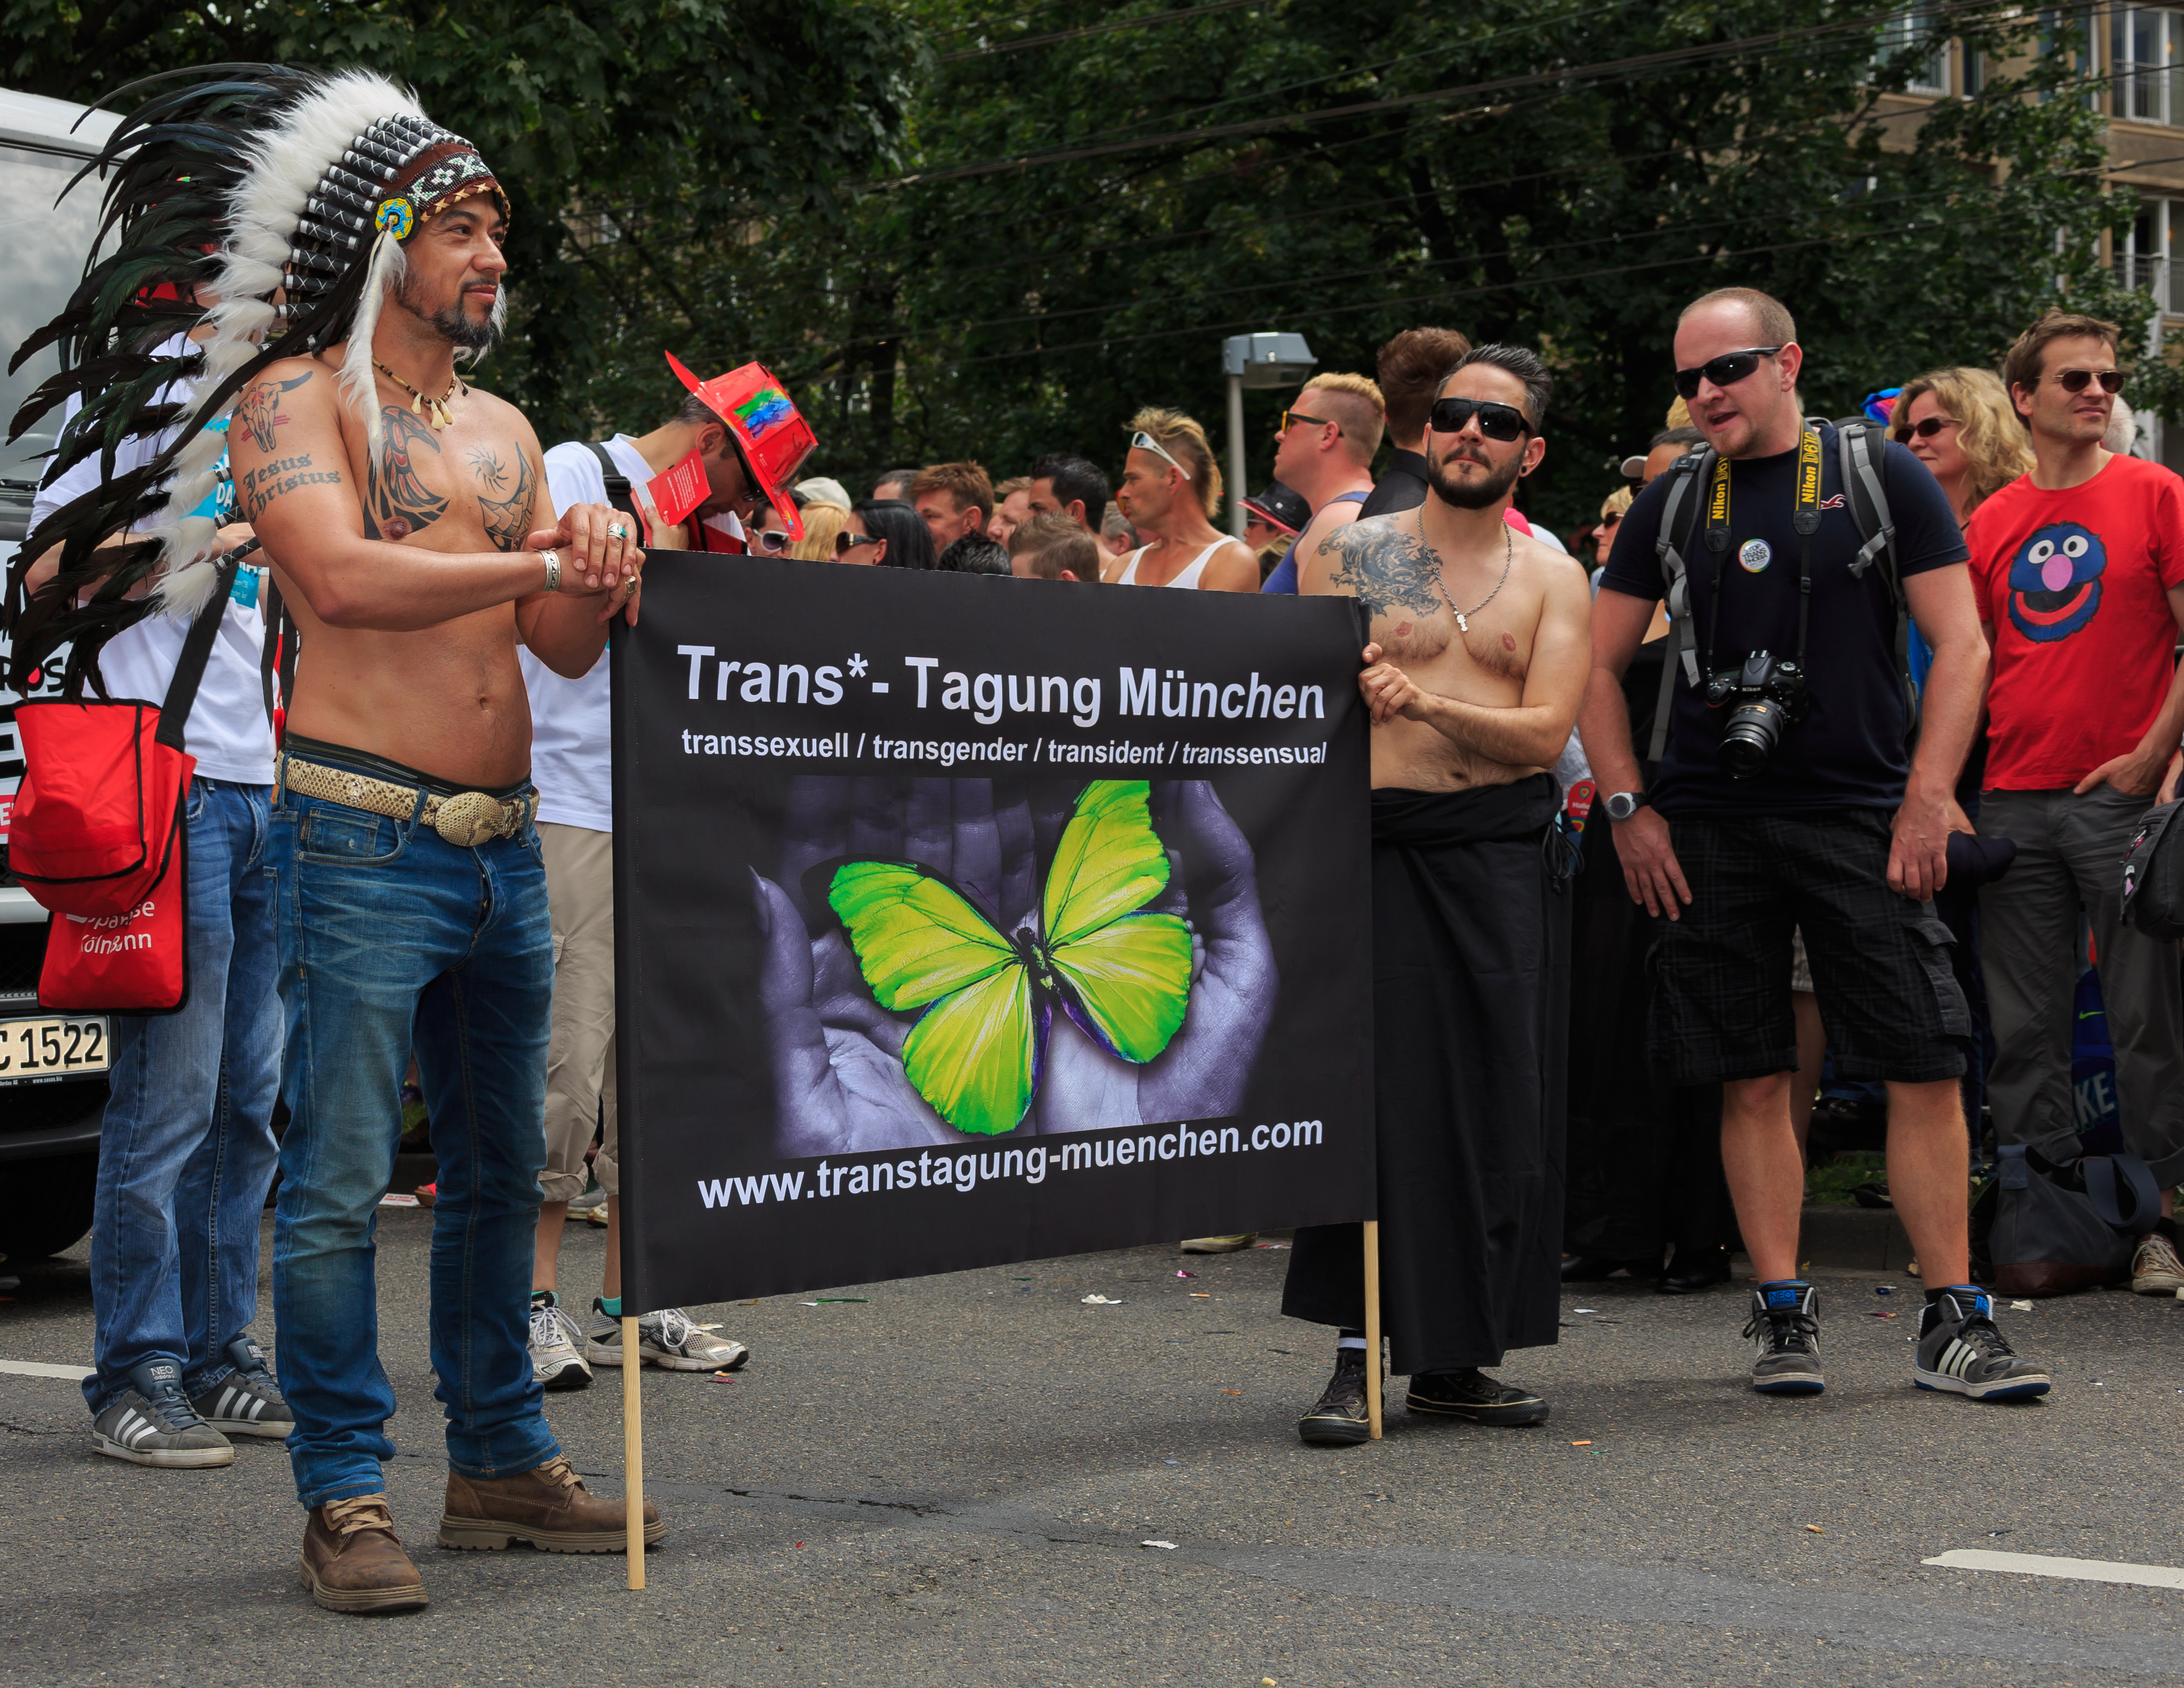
(507,521)
(400,501)
(1387,568)
(258,411)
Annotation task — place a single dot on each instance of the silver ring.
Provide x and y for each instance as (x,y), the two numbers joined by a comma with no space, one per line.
(616,531)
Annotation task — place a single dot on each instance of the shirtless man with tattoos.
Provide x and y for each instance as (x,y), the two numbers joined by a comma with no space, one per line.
(1479,658)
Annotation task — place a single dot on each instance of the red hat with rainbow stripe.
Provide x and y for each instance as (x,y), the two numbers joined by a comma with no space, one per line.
(768,429)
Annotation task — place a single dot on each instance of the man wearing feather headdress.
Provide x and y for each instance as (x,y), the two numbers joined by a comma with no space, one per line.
(359,263)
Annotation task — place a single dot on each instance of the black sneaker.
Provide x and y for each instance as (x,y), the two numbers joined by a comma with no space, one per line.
(1786,1328)
(1960,1350)
(1339,1415)
(1471,1394)
(154,1424)
(246,1401)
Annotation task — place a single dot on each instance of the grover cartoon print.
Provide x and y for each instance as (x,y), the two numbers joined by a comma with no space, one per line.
(2055,581)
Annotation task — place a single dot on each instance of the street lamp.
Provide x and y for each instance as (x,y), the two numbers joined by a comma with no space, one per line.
(1255,360)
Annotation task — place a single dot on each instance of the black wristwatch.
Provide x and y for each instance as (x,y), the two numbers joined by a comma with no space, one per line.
(1624,804)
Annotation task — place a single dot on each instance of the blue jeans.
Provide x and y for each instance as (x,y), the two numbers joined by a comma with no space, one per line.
(186,1150)
(391,937)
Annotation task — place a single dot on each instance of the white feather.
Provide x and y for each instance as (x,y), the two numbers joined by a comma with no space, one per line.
(359,384)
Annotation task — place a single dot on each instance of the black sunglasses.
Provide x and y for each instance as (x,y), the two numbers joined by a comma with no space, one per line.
(1496,421)
(846,541)
(1932,425)
(1725,370)
(2074,380)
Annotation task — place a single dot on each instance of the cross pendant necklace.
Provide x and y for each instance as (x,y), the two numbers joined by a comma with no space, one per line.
(434,410)
(1509,557)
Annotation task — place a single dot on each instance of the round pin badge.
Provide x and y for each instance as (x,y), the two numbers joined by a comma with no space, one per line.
(396,217)
(1754,555)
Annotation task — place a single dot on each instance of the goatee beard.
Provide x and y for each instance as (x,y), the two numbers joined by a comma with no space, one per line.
(1473,494)
(453,322)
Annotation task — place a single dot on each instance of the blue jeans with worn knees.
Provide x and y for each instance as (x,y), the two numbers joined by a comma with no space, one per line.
(391,937)
(186,1150)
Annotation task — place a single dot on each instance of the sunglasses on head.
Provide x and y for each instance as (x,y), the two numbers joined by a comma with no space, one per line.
(1725,370)
(1932,425)
(1496,421)
(2075,380)
(1288,416)
(846,541)
(1145,442)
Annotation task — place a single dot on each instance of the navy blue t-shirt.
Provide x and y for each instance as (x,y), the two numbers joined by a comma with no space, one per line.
(1849,749)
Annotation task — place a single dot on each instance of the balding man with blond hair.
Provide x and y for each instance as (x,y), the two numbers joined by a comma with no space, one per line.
(1323,452)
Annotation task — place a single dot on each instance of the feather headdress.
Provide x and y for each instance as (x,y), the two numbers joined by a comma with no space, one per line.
(285,194)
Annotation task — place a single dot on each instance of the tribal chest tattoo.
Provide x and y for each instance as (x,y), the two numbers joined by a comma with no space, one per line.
(397,501)
(507,521)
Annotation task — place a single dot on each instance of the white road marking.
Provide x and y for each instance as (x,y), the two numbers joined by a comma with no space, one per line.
(38,1368)
(2043,1565)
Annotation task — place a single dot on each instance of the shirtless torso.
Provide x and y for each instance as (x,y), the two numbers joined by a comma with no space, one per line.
(1485,704)
(411,660)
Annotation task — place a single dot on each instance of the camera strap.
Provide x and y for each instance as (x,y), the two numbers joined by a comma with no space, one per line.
(1805,519)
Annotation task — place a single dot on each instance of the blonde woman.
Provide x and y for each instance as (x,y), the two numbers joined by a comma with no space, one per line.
(821,522)
(1960,424)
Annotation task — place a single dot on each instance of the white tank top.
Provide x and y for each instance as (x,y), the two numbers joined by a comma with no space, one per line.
(1188,577)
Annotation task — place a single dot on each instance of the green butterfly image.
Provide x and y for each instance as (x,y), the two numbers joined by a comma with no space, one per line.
(985,999)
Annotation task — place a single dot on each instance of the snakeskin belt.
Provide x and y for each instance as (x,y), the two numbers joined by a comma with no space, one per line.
(465,819)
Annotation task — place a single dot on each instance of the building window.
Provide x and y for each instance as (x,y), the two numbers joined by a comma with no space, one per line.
(1913,31)
(2144,45)
(2146,257)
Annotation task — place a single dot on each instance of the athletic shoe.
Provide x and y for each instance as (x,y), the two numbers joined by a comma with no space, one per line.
(1471,1394)
(1787,1329)
(154,1424)
(554,1359)
(246,1401)
(2155,1270)
(1219,1245)
(1960,1350)
(591,1207)
(1338,1416)
(669,1338)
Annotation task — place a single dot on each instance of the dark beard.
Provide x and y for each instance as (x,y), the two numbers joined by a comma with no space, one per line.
(451,324)
(1476,496)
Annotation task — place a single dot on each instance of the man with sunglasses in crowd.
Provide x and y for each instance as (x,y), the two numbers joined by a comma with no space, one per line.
(1792,803)
(1324,448)
(1171,489)
(708,452)
(1479,658)
(2079,570)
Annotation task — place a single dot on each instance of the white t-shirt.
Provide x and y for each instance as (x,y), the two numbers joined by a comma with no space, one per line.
(228,732)
(571,756)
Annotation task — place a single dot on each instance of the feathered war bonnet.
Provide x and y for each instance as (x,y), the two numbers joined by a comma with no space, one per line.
(286,194)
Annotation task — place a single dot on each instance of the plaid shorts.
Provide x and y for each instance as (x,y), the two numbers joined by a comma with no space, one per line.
(1880,966)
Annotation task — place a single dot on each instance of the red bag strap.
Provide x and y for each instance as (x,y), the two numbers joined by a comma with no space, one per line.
(196,650)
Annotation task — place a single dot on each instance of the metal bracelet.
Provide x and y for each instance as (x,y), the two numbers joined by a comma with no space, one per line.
(552,559)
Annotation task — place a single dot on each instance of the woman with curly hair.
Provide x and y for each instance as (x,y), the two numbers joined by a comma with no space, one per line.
(1961,425)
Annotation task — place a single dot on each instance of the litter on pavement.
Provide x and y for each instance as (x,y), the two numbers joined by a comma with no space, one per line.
(1170,1546)
(1103,1301)
(1180,1273)
(390,1199)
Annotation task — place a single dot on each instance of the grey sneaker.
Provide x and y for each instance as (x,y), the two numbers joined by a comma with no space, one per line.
(1785,1328)
(154,1424)
(556,1361)
(2155,1269)
(1961,1351)
(246,1401)
(669,1338)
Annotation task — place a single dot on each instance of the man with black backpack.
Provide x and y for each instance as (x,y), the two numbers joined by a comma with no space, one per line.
(734,444)
(1788,797)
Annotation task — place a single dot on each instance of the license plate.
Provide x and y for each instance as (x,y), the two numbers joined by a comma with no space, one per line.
(54,1046)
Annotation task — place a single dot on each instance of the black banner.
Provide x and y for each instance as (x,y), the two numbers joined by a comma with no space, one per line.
(961,920)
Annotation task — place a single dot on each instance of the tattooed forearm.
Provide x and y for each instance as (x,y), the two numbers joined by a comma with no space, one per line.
(1386,568)
(488,468)
(508,521)
(257,488)
(258,411)
(399,502)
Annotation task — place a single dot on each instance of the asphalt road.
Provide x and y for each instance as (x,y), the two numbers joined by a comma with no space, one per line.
(951,1481)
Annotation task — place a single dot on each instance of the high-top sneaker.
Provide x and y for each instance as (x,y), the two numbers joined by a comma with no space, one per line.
(1960,1350)
(246,1401)
(1785,1328)
(1340,1416)
(153,1423)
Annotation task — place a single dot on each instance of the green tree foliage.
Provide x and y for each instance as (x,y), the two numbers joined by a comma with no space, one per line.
(613,122)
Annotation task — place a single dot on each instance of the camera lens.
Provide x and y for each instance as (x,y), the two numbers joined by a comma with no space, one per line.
(1749,739)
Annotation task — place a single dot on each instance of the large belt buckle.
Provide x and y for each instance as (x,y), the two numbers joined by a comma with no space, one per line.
(468,819)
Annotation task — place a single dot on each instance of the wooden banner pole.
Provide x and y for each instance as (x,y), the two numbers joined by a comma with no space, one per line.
(632,1450)
(1372,1326)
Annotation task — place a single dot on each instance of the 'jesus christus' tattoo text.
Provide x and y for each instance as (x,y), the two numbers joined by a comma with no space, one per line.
(398,499)
(260,486)
(1388,569)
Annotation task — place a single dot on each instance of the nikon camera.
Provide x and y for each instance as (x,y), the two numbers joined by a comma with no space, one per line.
(1762,697)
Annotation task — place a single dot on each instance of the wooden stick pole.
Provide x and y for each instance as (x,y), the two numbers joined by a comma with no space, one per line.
(632,1450)
(1372,1326)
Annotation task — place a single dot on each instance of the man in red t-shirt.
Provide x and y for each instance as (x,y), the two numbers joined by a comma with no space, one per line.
(2080,572)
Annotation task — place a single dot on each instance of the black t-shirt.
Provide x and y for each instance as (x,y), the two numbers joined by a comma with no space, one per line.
(1849,749)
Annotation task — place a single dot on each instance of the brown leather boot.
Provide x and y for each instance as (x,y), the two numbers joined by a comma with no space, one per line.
(549,1507)
(352,1562)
